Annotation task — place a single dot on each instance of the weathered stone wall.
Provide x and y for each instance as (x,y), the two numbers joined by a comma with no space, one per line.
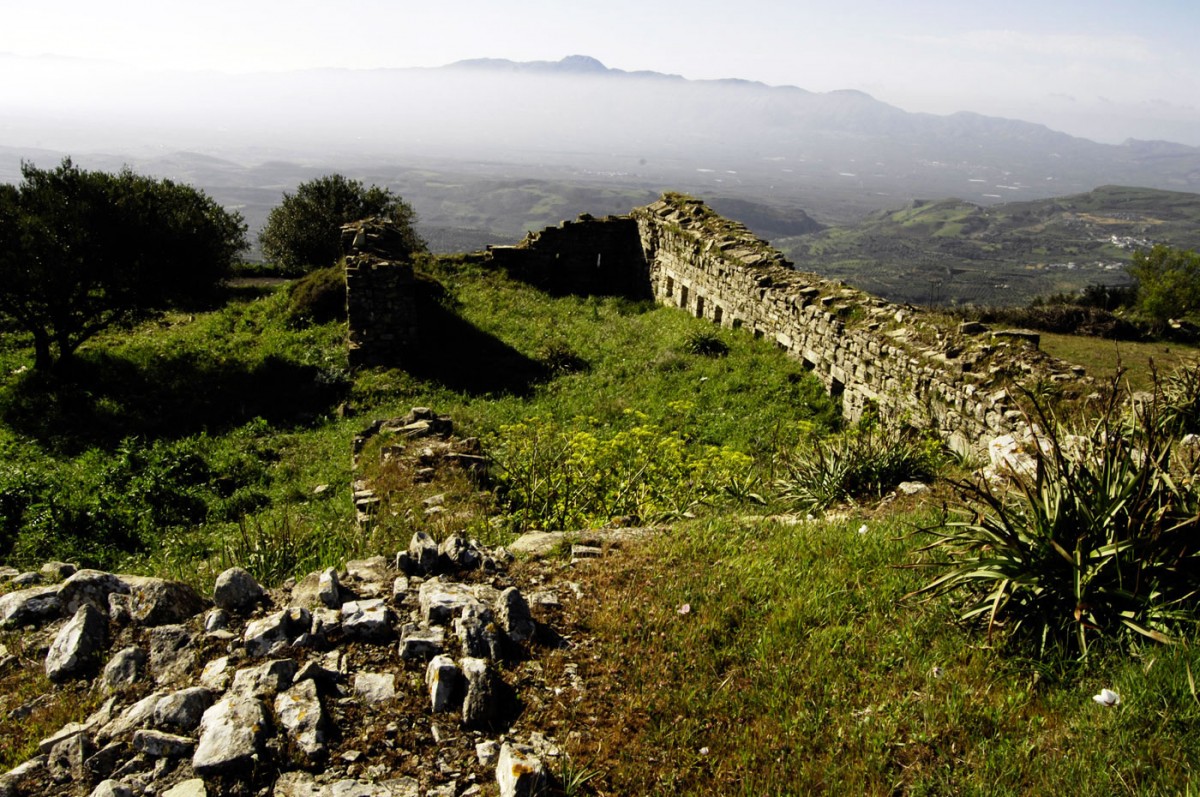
(587,256)
(902,363)
(381,305)
(907,365)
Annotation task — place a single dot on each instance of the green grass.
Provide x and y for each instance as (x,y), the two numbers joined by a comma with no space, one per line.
(233,415)
(801,668)
(1102,358)
(799,665)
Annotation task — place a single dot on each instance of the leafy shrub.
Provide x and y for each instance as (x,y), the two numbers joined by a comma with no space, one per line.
(1103,539)
(318,297)
(103,507)
(853,465)
(554,477)
(304,230)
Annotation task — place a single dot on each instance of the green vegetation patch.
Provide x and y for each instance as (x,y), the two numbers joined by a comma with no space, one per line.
(771,658)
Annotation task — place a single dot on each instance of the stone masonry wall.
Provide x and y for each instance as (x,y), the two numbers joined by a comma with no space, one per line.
(380,295)
(585,256)
(902,363)
(907,365)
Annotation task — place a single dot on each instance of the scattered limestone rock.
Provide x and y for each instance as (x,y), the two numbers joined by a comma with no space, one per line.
(216,620)
(232,733)
(172,653)
(329,589)
(264,680)
(189,788)
(423,553)
(512,612)
(458,553)
(236,591)
(325,622)
(136,716)
(182,710)
(76,649)
(282,626)
(16,780)
(301,714)
(158,744)
(90,587)
(479,703)
(418,642)
(112,788)
(487,752)
(373,687)
(65,759)
(153,601)
(477,630)
(126,667)
(57,571)
(441,600)
(32,606)
(519,771)
(368,620)
(442,677)
(217,674)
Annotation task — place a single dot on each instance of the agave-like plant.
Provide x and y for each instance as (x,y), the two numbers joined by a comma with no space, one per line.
(1102,539)
(853,465)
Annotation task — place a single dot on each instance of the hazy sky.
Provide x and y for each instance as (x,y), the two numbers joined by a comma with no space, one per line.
(1103,69)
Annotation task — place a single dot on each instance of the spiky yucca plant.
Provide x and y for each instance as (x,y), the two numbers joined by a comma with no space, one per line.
(1103,539)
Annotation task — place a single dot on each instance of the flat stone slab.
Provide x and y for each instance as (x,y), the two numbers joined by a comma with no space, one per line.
(231,736)
(368,620)
(31,606)
(537,544)
(374,687)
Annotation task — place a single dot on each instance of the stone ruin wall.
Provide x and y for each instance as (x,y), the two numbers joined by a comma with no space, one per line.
(381,303)
(895,360)
(585,256)
(903,363)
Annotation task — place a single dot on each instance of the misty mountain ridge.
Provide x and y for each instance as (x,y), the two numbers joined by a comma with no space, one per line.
(574,113)
(486,149)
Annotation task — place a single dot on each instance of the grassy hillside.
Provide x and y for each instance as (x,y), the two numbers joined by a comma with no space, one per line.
(206,427)
(753,647)
(956,252)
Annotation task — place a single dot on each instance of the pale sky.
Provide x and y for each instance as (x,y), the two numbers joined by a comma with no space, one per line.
(1102,69)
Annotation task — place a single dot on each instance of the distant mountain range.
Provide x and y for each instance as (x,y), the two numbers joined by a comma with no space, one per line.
(647,129)
(488,148)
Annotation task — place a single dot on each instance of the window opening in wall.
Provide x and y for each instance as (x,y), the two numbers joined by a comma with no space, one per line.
(683,296)
(836,388)
(670,286)
(699,307)
(737,323)
(758,333)
(718,314)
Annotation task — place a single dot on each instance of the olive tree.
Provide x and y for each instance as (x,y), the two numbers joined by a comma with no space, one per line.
(1168,283)
(81,251)
(303,232)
